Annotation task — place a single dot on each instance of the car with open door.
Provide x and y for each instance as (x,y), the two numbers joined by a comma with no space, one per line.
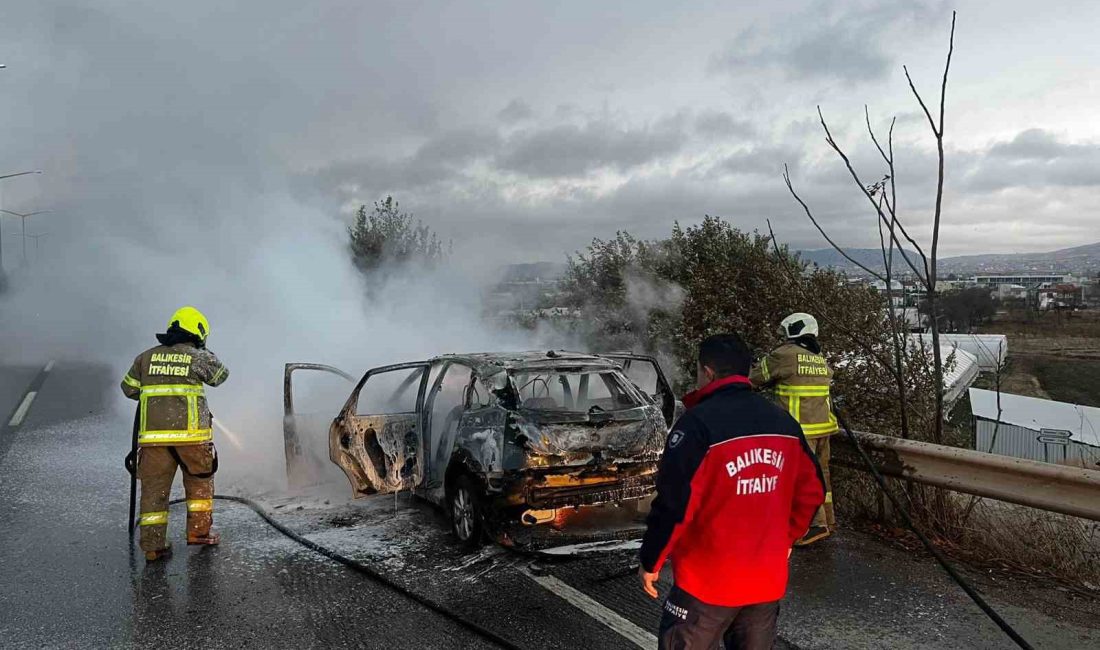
(505,442)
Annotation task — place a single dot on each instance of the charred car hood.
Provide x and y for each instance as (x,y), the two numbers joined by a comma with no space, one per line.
(633,433)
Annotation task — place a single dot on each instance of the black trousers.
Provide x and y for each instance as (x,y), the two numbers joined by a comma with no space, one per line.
(690,624)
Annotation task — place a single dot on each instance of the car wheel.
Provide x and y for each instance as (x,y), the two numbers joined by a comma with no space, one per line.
(467,518)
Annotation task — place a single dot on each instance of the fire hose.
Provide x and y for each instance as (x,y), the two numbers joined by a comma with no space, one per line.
(898,507)
(368,571)
(483,632)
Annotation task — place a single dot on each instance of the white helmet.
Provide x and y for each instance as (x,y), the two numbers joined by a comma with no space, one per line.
(797,325)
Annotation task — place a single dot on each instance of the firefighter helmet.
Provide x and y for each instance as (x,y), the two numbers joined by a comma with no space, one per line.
(191,320)
(797,325)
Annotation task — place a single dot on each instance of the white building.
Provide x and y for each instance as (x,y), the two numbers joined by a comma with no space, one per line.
(911,318)
(956,378)
(960,375)
(897,291)
(1034,428)
(1025,279)
(991,350)
(1011,292)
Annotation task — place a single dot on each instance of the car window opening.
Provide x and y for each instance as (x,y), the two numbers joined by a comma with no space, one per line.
(574,391)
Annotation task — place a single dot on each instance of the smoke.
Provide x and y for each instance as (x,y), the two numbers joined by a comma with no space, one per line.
(647,293)
(169,149)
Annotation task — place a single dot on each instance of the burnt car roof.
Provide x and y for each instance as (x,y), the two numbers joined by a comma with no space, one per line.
(488,363)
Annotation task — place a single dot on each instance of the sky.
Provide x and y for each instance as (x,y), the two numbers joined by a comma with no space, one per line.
(534,127)
(213,153)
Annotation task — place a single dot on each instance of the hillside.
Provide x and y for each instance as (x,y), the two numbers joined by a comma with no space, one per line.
(1079,259)
(869,257)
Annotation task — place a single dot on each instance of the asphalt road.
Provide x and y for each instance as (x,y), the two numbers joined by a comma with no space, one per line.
(69,578)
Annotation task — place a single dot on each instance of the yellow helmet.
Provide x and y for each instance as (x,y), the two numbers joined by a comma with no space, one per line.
(191,320)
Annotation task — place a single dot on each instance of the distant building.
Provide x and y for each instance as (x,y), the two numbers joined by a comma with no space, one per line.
(1025,280)
(1036,429)
(897,291)
(1011,292)
(1060,296)
(945,286)
(990,350)
(957,377)
(912,319)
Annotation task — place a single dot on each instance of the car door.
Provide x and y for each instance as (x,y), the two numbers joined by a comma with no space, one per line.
(376,439)
(313,395)
(447,399)
(645,373)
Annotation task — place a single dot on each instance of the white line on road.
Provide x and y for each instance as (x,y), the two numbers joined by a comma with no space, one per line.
(21,412)
(49,366)
(586,604)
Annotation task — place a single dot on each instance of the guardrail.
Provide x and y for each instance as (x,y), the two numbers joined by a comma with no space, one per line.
(1055,488)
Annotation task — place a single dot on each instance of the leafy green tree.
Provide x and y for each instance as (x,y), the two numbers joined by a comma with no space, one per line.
(384,235)
(663,297)
(964,309)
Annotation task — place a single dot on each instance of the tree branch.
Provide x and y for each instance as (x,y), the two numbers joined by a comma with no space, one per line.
(806,208)
(892,203)
(868,348)
(859,182)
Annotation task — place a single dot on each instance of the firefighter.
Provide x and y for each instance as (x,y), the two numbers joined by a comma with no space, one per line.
(799,377)
(736,486)
(175,429)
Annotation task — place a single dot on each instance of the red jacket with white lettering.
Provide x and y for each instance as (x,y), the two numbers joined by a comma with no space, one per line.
(737,485)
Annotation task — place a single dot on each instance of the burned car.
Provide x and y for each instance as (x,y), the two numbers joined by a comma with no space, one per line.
(501,441)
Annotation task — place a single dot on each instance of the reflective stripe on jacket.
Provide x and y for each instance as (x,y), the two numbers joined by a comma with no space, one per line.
(168,383)
(800,380)
(737,485)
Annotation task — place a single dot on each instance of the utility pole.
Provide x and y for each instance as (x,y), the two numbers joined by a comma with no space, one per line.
(36,238)
(23,218)
(35,171)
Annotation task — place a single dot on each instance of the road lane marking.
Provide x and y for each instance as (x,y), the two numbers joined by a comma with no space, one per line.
(24,407)
(586,604)
(21,412)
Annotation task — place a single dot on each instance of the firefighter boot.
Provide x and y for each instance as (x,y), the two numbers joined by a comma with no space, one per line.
(159,554)
(209,539)
(814,534)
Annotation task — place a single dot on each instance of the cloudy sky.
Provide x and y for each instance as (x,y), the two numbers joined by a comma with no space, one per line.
(524,129)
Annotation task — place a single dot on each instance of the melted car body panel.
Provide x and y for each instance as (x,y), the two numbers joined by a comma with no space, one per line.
(547,431)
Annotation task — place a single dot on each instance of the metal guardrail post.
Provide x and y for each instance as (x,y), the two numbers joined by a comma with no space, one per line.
(1055,488)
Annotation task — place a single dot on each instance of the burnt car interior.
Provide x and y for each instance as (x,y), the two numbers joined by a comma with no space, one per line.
(573,391)
(536,432)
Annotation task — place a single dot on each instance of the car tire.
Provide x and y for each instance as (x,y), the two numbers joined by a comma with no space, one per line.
(464,507)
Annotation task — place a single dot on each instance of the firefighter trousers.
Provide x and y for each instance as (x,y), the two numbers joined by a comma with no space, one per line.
(156,469)
(688,623)
(824,516)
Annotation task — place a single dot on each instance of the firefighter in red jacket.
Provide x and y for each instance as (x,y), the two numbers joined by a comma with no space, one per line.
(736,487)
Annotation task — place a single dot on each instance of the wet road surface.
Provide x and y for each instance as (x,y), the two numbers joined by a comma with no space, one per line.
(68,578)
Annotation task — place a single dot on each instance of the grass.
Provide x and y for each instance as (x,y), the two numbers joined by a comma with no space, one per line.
(1068,380)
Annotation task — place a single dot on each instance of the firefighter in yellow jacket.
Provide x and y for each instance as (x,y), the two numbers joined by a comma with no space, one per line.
(175,429)
(799,377)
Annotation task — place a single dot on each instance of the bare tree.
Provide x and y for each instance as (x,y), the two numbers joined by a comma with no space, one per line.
(882,197)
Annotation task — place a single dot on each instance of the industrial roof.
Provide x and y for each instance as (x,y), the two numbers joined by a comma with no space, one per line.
(960,375)
(990,349)
(1083,422)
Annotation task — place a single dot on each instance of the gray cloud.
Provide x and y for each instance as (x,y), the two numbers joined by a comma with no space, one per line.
(712,123)
(762,160)
(1034,159)
(1037,144)
(157,121)
(517,110)
(850,45)
(574,150)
